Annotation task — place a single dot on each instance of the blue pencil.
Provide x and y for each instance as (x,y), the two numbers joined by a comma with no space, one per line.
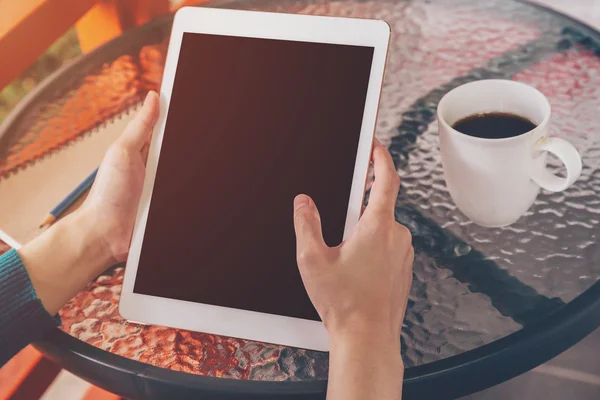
(57,211)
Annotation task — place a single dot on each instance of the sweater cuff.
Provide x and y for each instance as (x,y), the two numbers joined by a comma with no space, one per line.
(23,318)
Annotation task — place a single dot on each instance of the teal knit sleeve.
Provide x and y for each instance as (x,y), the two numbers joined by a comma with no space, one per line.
(23,318)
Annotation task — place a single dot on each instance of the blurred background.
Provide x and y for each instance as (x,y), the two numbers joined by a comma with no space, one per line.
(80,27)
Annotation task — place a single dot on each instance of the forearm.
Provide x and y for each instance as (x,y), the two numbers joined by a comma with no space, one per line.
(365,366)
(62,260)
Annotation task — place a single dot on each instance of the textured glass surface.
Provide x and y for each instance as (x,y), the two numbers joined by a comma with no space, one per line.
(471,285)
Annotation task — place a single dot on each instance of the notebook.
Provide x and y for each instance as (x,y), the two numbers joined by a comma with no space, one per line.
(27,195)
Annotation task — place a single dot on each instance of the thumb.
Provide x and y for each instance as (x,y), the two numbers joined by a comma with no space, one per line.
(139,129)
(307,224)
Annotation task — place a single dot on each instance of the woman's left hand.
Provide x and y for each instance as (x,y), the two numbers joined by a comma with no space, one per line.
(114,197)
(80,246)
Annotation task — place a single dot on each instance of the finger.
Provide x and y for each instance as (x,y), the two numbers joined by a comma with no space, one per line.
(409,261)
(138,131)
(145,150)
(404,233)
(307,224)
(406,275)
(384,191)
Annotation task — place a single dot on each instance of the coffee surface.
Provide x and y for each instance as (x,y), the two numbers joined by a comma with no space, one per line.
(494,125)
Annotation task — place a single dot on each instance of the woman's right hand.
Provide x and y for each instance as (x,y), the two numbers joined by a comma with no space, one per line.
(360,288)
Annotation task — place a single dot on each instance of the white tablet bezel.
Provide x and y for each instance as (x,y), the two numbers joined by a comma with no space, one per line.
(226,321)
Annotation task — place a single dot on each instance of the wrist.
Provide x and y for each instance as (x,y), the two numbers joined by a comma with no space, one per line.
(62,260)
(88,224)
(92,246)
(365,362)
(375,338)
(360,325)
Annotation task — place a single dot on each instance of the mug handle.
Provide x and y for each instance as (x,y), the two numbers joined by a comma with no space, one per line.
(568,154)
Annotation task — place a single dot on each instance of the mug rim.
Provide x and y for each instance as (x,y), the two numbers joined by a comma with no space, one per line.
(544,122)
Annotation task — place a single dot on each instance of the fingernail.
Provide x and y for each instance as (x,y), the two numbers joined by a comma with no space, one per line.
(147,97)
(300,201)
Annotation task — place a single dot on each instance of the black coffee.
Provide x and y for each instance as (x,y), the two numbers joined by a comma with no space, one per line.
(494,125)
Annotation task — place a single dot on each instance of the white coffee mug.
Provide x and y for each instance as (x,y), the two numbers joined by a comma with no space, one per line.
(495,181)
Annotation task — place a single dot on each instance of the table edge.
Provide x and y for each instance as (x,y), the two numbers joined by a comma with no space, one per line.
(484,366)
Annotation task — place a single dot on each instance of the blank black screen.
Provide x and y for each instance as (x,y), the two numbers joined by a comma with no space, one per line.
(251,124)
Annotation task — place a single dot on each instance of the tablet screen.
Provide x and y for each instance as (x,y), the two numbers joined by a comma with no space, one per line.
(251,123)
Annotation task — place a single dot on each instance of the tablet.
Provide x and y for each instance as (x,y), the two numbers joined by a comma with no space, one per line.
(256,108)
